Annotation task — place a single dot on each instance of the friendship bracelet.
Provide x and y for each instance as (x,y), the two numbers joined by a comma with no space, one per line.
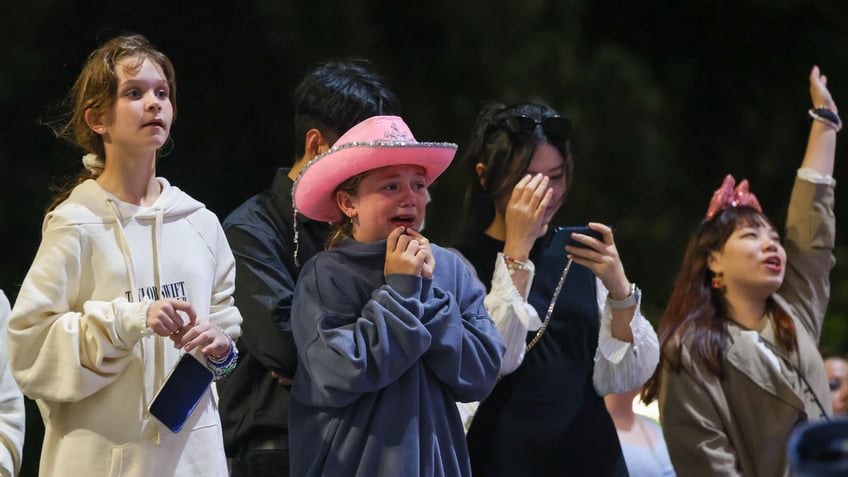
(223,372)
(225,364)
(826,116)
(223,369)
(219,373)
(218,359)
(222,358)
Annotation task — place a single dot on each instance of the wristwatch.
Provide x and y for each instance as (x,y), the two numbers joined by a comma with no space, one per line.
(631,300)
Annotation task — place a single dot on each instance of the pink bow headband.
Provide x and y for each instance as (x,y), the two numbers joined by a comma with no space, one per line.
(726,196)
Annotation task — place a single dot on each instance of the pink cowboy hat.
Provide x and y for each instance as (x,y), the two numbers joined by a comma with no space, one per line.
(378,141)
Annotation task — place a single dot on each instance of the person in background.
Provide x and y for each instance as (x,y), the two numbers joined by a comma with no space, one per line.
(740,367)
(641,438)
(390,329)
(131,274)
(12,413)
(837,379)
(587,335)
(331,98)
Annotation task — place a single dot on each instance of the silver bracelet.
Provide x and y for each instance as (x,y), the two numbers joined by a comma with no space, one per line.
(631,300)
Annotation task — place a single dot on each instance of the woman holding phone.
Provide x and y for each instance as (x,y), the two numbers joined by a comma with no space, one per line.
(570,317)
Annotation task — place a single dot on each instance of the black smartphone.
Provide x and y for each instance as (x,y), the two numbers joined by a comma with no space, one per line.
(562,237)
(180,393)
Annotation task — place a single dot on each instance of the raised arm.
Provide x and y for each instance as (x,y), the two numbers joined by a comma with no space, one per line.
(506,303)
(821,145)
(810,231)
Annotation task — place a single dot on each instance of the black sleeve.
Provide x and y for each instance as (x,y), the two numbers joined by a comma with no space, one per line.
(264,291)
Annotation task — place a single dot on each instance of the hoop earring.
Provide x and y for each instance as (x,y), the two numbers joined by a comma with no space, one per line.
(718,280)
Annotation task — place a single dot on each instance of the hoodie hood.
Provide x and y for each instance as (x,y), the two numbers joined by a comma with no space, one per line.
(90,203)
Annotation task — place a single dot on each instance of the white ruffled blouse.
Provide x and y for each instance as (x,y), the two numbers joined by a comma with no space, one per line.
(619,366)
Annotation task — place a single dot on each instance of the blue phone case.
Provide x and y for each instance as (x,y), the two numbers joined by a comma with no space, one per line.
(180,392)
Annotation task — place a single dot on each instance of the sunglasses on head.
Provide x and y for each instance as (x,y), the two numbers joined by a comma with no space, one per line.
(556,128)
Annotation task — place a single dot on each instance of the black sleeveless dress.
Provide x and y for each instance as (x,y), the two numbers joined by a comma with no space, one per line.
(546,419)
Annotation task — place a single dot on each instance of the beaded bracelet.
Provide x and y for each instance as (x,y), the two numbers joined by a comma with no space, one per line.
(223,358)
(513,265)
(831,118)
(224,365)
(223,369)
(220,358)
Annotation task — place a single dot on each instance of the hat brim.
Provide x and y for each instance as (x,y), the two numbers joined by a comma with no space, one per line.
(314,188)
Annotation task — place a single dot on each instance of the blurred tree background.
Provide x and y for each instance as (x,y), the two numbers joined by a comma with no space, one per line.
(667,97)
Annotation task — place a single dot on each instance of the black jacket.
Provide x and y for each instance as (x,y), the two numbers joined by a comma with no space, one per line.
(252,403)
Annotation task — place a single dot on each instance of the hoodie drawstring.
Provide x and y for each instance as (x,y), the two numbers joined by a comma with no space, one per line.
(158,351)
(159,364)
(124,245)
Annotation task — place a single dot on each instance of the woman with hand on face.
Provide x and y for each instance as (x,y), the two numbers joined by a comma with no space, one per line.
(568,342)
(131,274)
(740,367)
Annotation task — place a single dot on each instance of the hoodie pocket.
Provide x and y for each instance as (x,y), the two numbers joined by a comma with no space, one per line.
(140,459)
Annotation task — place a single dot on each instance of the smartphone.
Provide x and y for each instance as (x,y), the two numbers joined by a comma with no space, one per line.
(562,237)
(180,393)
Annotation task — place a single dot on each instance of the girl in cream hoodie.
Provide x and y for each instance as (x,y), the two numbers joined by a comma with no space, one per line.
(131,274)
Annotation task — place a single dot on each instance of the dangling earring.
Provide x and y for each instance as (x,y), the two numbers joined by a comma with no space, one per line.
(717,281)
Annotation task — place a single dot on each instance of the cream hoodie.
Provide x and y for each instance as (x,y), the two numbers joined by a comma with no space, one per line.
(75,333)
(12,415)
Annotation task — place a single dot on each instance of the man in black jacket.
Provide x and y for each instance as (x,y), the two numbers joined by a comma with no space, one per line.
(269,250)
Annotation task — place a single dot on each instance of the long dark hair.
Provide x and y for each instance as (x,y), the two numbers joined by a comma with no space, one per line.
(506,158)
(698,312)
(96,88)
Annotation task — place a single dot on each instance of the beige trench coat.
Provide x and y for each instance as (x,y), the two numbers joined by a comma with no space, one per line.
(741,425)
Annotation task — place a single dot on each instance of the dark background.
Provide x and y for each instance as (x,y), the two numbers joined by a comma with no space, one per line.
(667,97)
